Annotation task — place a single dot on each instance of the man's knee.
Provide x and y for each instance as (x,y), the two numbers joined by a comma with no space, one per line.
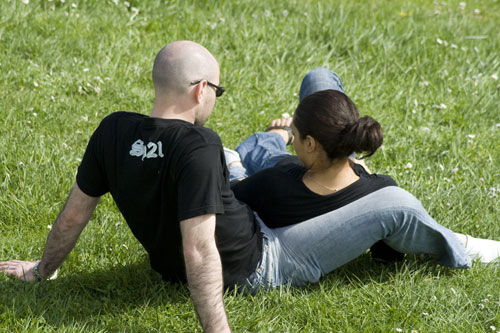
(319,79)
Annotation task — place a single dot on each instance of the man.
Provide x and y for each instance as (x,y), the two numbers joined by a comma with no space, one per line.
(166,174)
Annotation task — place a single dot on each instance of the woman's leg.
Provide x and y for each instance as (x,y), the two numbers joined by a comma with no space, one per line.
(304,252)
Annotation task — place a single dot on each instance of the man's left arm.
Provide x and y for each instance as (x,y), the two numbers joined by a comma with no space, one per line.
(61,240)
(204,272)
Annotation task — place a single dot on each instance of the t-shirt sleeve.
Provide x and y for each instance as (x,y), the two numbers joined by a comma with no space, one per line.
(249,190)
(199,186)
(91,178)
(359,169)
(382,180)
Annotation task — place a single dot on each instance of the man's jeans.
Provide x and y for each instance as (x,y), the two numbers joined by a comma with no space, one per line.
(302,253)
(261,150)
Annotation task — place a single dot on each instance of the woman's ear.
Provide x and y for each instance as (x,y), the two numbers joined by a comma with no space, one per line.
(310,143)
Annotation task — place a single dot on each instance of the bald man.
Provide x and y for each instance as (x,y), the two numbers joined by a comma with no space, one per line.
(167,176)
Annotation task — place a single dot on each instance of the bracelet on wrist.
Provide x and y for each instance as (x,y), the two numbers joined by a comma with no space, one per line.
(37,275)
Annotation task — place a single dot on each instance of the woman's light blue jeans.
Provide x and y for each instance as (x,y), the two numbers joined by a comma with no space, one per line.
(302,253)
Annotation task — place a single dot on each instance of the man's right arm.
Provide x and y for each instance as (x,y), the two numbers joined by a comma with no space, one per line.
(61,240)
(204,272)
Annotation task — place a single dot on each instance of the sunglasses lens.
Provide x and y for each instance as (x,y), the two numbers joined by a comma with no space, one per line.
(219,91)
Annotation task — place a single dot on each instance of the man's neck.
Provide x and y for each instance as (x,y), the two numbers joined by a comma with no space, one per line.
(166,111)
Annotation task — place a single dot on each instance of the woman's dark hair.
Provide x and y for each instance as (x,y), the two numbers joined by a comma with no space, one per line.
(332,119)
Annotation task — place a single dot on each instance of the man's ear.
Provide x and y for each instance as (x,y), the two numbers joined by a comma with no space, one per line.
(310,143)
(199,91)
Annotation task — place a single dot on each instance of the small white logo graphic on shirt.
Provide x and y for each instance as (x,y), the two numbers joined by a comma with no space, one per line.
(146,151)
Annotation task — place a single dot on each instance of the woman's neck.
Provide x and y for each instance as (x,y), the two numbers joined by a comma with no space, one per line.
(330,177)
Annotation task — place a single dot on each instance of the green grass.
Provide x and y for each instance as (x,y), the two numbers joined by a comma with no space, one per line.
(428,71)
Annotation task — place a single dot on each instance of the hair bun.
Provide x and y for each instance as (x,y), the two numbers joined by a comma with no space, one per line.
(367,135)
(330,117)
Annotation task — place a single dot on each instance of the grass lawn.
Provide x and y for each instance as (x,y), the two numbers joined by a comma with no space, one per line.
(427,70)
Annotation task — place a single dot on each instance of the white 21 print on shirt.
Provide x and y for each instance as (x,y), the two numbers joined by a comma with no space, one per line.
(146,151)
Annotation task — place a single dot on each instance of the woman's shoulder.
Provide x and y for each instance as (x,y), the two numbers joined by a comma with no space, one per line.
(284,170)
(291,165)
(281,175)
(375,177)
(267,184)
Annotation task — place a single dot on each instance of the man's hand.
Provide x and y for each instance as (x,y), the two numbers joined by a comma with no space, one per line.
(62,238)
(21,270)
(285,121)
(204,272)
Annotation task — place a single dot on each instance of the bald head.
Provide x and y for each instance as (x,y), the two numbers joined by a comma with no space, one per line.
(180,63)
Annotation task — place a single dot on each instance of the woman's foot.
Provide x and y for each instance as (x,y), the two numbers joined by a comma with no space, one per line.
(485,250)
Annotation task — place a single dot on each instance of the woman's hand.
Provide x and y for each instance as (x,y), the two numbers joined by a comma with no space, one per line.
(282,122)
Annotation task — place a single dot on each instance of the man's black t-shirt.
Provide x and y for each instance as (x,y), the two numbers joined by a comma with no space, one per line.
(163,171)
(280,197)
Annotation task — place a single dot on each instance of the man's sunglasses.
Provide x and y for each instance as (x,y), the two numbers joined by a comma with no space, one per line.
(218,90)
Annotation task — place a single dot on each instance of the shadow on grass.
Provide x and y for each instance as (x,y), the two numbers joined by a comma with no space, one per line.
(81,297)
(364,270)
(103,298)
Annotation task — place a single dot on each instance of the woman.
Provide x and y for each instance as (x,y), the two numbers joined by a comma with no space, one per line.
(323,178)
(327,130)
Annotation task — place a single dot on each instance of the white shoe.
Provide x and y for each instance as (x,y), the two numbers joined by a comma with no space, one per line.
(486,250)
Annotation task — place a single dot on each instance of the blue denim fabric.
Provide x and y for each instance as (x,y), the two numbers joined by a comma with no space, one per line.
(302,253)
(259,151)
(319,79)
(237,172)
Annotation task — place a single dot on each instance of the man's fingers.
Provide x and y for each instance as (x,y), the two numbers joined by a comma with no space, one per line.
(5,265)
(8,268)
(21,270)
